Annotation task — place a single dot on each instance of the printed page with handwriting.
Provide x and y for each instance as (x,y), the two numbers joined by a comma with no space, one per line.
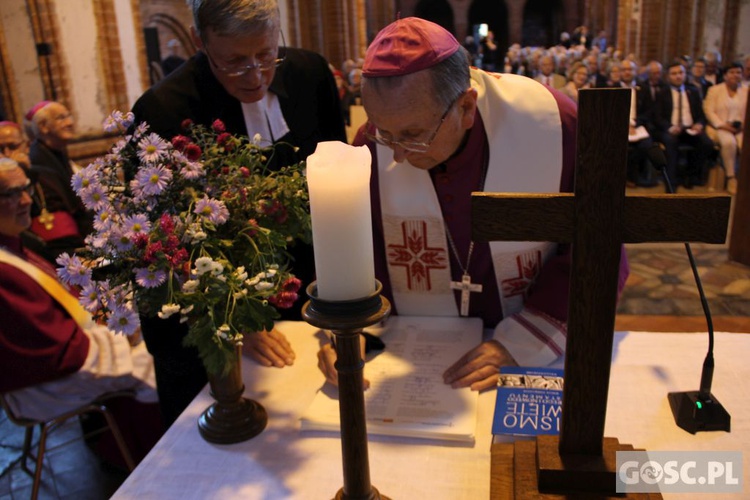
(407,395)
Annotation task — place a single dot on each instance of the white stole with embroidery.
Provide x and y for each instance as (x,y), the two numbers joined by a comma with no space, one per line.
(519,115)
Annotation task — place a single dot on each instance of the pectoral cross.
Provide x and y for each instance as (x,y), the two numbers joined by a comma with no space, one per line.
(466,287)
(46,219)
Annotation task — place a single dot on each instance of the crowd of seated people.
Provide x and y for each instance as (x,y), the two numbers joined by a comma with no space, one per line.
(348,82)
(673,105)
(670,103)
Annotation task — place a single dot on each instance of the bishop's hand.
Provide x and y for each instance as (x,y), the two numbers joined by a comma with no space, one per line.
(268,348)
(479,368)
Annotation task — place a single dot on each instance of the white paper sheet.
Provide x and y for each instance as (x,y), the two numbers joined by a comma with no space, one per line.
(407,395)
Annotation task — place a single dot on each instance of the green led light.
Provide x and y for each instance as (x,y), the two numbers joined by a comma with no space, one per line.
(699,404)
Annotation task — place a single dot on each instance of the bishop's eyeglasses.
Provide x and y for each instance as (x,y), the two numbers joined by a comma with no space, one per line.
(413,146)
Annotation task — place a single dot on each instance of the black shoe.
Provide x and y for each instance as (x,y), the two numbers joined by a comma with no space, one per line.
(688,184)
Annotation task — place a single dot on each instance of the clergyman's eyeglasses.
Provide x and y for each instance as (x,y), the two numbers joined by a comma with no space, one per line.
(234,70)
(13,195)
(12,146)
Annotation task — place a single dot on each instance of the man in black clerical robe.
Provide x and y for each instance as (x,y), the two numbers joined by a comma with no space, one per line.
(283,96)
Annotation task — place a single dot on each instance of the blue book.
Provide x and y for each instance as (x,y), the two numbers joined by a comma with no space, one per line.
(529,401)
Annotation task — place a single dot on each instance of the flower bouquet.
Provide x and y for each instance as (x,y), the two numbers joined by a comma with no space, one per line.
(196,227)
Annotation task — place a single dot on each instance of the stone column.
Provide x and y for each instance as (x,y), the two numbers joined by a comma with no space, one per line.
(515,21)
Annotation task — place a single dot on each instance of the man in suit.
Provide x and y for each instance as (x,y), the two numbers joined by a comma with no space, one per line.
(698,76)
(639,140)
(679,120)
(53,127)
(647,93)
(548,76)
(713,67)
(174,59)
(596,79)
(288,96)
(581,37)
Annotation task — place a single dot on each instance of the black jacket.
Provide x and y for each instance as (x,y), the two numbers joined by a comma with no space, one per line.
(303,83)
(663,107)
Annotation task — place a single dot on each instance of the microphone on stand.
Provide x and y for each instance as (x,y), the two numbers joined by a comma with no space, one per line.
(695,411)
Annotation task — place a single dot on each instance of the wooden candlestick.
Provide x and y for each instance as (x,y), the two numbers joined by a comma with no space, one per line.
(346,319)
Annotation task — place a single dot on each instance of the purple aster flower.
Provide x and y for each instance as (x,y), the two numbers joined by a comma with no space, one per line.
(214,210)
(192,170)
(72,270)
(103,219)
(94,197)
(97,240)
(140,129)
(118,121)
(136,224)
(89,297)
(123,320)
(116,149)
(152,148)
(149,278)
(120,240)
(84,178)
(151,181)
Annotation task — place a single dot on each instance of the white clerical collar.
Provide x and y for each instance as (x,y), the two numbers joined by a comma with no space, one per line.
(264,117)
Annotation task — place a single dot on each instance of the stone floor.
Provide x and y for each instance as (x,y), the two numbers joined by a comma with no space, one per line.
(661,282)
(71,472)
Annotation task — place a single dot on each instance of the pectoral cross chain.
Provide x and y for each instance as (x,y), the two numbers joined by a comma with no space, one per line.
(466,287)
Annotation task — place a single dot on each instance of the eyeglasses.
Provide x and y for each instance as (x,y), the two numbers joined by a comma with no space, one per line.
(413,146)
(12,146)
(236,70)
(14,195)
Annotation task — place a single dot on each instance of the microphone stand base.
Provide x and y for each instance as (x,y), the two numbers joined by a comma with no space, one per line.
(696,412)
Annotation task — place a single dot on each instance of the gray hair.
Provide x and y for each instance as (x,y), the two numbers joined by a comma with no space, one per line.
(235,17)
(449,77)
(33,126)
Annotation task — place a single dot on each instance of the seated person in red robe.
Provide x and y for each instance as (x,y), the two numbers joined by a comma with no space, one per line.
(54,358)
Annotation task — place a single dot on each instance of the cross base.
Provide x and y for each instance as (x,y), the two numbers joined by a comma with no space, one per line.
(536,470)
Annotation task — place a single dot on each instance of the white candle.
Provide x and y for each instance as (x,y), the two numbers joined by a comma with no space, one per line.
(338,180)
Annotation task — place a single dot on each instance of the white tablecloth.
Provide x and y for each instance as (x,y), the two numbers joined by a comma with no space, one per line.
(283,463)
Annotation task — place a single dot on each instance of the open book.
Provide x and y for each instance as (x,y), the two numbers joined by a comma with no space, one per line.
(407,395)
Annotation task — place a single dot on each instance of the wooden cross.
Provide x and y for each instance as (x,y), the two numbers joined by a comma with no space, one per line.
(466,287)
(597,219)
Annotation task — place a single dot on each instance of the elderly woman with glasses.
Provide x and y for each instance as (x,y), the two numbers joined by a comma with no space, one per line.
(578,78)
(439,130)
(242,76)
